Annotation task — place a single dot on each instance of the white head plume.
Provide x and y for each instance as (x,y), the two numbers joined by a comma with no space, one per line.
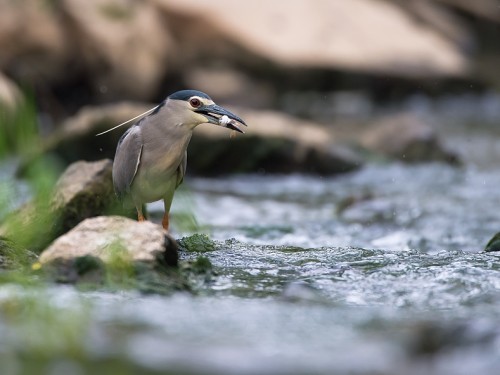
(132,119)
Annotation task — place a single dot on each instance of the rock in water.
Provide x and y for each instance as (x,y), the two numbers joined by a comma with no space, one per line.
(408,138)
(102,237)
(84,190)
(493,244)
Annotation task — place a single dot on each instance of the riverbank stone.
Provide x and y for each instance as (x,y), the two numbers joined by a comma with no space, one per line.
(118,252)
(84,190)
(105,236)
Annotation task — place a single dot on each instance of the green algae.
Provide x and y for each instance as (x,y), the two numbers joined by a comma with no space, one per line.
(198,243)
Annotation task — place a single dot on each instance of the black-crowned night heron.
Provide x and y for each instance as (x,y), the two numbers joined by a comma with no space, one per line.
(151,157)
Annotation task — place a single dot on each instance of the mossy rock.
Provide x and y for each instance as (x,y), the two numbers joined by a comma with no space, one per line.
(493,244)
(197,243)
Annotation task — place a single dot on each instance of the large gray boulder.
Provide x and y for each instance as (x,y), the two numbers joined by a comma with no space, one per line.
(333,34)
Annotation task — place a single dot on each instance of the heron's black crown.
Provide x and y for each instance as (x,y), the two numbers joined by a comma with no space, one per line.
(186,94)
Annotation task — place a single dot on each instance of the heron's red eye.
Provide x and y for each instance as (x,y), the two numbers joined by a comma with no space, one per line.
(195,102)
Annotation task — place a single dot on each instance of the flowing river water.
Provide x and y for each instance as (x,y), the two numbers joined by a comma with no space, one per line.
(379,271)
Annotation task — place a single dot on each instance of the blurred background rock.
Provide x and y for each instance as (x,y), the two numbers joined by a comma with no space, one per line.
(341,66)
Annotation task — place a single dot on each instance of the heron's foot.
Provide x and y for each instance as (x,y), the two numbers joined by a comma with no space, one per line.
(165,222)
(140,217)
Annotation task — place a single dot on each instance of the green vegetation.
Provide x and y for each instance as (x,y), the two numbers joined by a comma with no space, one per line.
(18,132)
(119,267)
(33,226)
(29,228)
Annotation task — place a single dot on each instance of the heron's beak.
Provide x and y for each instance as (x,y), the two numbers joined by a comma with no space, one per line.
(214,114)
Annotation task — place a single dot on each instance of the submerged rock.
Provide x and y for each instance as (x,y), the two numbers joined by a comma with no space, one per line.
(432,339)
(299,291)
(199,243)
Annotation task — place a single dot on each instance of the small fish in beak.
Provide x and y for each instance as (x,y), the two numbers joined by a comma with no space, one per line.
(229,123)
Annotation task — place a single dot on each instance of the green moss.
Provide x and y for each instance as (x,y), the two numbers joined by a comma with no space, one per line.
(197,243)
(18,132)
(120,269)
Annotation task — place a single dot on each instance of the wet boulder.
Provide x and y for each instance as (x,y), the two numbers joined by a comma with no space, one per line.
(104,236)
(408,138)
(84,190)
(117,252)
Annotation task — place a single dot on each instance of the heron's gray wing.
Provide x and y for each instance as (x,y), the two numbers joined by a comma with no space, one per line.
(127,160)
(181,170)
